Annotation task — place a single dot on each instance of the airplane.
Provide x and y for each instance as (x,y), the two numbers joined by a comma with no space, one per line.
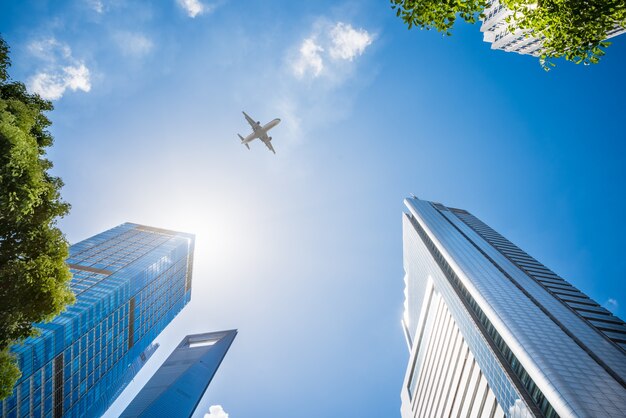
(259,132)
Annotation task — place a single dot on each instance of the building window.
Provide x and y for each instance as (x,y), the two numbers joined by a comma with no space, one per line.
(131,323)
(58,386)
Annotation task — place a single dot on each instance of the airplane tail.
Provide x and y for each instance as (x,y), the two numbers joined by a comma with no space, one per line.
(241,137)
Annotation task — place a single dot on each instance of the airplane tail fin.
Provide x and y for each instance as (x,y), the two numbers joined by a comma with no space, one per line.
(241,137)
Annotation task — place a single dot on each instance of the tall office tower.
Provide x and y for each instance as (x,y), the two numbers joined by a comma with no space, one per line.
(178,388)
(130,282)
(502,36)
(492,332)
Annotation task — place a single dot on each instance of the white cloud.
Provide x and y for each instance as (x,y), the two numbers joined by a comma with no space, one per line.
(216,411)
(309,58)
(194,7)
(49,50)
(96,5)
(134,44)
(77,77)
(327,49)
(611,304)
(348,42)
(61,70)
(52,85)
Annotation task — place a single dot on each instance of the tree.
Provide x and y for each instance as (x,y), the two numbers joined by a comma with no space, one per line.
(574,30)
(34,279)
(439,15)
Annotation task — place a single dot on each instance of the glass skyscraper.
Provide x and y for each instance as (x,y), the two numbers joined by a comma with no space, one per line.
(130,282)
(178,388)
(492,332)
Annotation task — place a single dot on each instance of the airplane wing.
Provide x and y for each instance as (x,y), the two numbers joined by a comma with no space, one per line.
(268,142)
(255,126)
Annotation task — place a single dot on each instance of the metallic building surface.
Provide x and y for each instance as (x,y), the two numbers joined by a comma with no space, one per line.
(130,282)
(542,346)
(179,386)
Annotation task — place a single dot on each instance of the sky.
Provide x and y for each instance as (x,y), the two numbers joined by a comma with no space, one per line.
(302,251)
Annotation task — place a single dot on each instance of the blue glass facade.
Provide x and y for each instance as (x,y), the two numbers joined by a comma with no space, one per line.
(178,388)
(130,282)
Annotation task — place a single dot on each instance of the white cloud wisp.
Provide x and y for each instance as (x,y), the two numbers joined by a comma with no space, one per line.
(328,48)
(611,304)
(194,7)
(134,44)
(309,59)
(347,42)
(61,72)
(96,5)
(216,411)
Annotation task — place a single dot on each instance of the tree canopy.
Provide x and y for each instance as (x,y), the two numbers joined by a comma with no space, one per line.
(34,279)
(574,30)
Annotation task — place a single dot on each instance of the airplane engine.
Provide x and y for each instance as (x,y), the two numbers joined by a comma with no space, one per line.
(258,122)
(270,138)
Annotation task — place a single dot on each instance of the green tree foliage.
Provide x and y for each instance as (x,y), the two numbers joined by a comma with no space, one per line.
(34,279)
(9,373)
(572,29)
(436,14)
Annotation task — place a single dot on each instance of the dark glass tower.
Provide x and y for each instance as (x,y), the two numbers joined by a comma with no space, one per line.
(130,282)
(178,388)
(492,332)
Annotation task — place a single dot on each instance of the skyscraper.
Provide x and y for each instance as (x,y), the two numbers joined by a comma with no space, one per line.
(178,388)
(130,282)
(492,332)
(503,36)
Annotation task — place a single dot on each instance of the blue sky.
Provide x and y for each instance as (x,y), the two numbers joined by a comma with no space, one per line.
(301,251)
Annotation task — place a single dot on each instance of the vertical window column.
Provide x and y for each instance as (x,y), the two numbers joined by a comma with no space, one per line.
(131,323)
(58,386)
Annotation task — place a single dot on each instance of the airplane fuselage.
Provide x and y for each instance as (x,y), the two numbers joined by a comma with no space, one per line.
(261,132)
